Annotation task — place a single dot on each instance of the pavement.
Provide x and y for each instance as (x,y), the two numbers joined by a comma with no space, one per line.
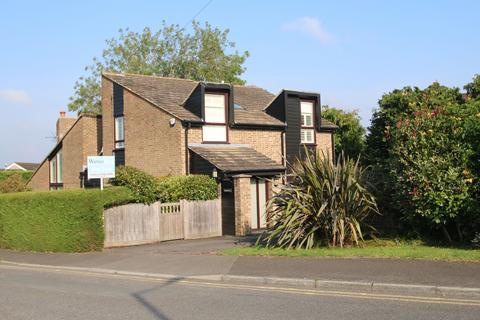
(31,293)
(199,258)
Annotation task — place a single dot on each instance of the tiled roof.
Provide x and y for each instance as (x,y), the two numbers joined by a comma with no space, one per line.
(165,93)
(235,158)
(170,94)
(326,124)
(30,166)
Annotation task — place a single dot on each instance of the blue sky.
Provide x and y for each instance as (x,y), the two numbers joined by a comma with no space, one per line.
(351,52)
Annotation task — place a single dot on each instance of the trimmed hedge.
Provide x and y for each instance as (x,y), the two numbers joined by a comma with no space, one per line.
(4,174)
(60,221)
(148,189)
(143,185)
(191,187)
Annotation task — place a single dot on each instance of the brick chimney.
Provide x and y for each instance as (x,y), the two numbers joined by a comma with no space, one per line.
(63,124)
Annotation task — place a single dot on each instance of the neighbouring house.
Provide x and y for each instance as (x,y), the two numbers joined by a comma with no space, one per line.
(23,166)
(65,165)
(243,136)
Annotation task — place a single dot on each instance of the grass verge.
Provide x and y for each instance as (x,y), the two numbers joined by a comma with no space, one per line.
(371,249)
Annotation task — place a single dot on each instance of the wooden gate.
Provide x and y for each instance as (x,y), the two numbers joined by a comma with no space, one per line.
(134,224)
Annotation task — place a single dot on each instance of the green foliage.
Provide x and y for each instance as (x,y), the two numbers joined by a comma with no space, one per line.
(430,159)
(204,54)
(26,175)
(14,180)
(350,138)
(423,147)
(326,203)
(147,189)
(191,187)
(143,185)
(13,183)
(60,221)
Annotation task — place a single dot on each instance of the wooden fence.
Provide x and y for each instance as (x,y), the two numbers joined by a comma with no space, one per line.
(136,223)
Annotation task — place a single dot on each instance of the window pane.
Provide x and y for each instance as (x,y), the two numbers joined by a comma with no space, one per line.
(215,133)
(307,136)
(215,108)
(306,109)
(53,170)
(119,131)
(59,166)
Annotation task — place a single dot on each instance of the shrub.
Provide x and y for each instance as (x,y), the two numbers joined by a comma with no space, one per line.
(26,175)
(13,183)
(326,203)
(61,221)
(143,185)
(192,187)
(433,160)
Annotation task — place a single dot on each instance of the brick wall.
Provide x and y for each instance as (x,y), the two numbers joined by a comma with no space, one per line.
(63,124)
(324,142)
(40,180)
(151,144)
(242,205)
(107,117)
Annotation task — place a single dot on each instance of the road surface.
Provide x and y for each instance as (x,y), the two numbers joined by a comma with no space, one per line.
(28,293)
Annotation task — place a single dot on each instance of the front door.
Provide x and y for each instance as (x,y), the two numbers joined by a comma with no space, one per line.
(258,198)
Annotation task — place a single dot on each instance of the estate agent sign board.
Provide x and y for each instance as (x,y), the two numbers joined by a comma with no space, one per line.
(100,168)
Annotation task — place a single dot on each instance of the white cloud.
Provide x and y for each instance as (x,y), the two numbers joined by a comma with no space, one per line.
(16,96)
(310,26)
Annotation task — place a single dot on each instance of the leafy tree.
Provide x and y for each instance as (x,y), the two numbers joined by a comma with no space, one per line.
(204,54)
(423,150)
(350,138)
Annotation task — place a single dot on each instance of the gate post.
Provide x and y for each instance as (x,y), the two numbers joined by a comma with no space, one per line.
(242,198)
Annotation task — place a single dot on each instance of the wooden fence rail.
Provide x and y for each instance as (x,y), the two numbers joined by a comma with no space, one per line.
(134,224)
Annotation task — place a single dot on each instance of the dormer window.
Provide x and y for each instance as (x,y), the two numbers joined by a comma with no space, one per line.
(307,131)
(215,128)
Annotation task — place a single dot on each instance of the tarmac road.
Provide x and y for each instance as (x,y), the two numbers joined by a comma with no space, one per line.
(29,293)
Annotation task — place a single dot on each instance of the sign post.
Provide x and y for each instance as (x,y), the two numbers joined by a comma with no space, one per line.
(100,167)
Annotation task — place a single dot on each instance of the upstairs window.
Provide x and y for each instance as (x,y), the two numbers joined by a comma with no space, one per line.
(56,171)
(215,128)
(119,133)
(307,131)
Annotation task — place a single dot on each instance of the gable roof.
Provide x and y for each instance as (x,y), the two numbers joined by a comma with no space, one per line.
(170,94)
(235,158)
(29,166)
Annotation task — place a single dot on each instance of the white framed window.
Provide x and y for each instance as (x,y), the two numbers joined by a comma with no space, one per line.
(307,136)
(214,108)
(56,168)
(119,133)
(215,128)
(306,110)
(307,131)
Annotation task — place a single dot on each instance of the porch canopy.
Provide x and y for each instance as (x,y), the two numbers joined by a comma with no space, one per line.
(231,159)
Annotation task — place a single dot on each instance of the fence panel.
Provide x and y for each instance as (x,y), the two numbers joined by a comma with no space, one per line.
(134,224)
(202,219)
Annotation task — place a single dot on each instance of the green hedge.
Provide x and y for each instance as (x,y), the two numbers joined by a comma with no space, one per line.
(148,189)
(4,174)
(192,187)
(60,221)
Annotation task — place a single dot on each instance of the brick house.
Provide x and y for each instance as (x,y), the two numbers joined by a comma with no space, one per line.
(65,164)
(243,136)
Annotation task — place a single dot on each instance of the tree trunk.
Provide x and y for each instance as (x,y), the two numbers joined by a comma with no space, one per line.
(447,235)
